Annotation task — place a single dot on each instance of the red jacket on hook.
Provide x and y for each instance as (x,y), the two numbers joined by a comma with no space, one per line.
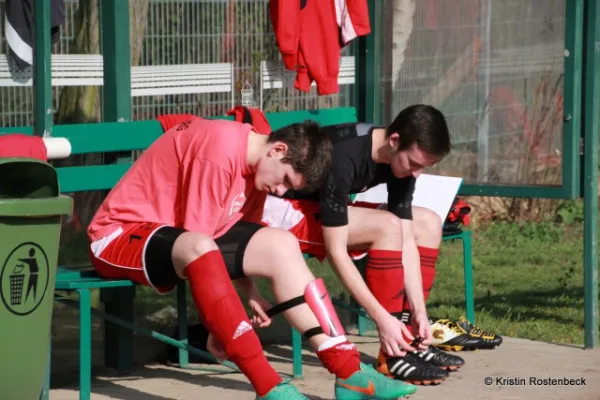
(311,33)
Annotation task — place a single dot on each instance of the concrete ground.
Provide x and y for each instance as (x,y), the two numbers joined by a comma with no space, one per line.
(486,375)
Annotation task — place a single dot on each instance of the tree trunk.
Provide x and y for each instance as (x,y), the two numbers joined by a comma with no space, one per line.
(81,104)
(138,18)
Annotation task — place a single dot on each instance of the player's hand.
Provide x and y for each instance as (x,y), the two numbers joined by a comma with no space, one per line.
(259,306)
(420,324)
(215,348)
(394,336)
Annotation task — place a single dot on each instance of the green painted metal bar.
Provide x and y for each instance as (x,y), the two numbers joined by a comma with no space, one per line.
(85,344)
(153,334)
(372,65)
(182,323)
(468,272)
(42,66)
(116,96)
(296,354)
(590,167)
(359,76)
(93,177)
(572,91)
(116,107)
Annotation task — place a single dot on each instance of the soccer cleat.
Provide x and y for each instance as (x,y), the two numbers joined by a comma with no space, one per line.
(411,368)
(490,339)
(447,336)
(440,359)
(283,391)
(368,384)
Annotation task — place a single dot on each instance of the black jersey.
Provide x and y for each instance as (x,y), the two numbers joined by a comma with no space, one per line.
(353,171)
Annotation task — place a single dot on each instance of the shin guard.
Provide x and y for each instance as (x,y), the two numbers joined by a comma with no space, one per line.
(319,301)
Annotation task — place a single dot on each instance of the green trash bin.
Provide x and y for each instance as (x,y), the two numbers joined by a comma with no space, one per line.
(31,208)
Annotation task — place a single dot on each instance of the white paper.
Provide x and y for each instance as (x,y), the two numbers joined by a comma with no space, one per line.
(434,192)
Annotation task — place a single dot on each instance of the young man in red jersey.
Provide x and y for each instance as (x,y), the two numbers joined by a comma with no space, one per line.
(177,214)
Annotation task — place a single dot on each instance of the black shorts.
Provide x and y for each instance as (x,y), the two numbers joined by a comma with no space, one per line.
(159,265)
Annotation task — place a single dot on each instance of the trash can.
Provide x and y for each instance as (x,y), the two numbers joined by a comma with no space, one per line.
(31,208)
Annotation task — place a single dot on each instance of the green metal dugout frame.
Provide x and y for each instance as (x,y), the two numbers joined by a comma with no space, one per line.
(369,52)
(581,115)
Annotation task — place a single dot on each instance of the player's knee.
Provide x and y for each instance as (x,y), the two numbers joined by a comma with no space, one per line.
(391,227)
(426,222)
(189,247)
(280,242)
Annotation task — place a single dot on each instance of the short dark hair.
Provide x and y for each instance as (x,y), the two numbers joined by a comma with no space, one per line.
(422,125)
(309,151)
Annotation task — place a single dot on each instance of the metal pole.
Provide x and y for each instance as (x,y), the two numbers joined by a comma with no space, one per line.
(483,74)
(116,97)
(42,69)
(153,334)
(591,120)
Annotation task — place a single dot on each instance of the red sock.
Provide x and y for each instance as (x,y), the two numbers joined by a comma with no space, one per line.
(385,278)
(429,258)
(223,314)
(340,357)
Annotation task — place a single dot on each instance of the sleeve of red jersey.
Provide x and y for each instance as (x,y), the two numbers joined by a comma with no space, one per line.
(285,18)
(204,205)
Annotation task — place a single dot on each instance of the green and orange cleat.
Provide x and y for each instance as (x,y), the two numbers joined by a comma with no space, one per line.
(283,391)
(368,384)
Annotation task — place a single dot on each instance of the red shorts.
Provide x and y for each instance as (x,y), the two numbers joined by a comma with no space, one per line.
(300,218)
(121,255)
(141,252)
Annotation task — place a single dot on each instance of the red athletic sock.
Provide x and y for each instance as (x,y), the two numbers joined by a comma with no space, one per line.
(429,258)
(385,278)
(223,314)
(340,357)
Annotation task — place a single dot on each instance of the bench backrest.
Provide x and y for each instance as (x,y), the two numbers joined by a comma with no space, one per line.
(138,135)
(146,80)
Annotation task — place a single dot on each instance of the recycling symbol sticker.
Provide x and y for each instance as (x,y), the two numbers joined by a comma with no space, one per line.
(24,278)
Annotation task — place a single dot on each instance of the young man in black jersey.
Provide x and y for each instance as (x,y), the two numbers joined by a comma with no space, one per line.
(402,244)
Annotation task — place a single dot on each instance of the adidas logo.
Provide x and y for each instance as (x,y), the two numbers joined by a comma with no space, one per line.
(242,328)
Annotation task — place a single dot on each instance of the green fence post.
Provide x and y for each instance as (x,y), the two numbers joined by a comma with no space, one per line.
(42,69)
(296,353)
(572,105)
(591,120)
(116,107)
(116,96)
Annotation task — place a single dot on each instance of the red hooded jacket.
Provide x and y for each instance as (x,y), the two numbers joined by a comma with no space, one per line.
(311,33)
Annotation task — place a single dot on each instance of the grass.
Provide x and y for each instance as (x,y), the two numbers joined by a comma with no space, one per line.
(528,282)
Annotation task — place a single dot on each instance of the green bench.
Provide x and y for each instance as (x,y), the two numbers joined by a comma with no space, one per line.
(118,295)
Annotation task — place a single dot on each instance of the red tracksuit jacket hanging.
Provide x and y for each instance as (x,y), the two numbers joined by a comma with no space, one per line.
(311,33)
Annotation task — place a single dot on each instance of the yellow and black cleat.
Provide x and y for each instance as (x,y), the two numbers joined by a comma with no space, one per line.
(491,339)
(447,336)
